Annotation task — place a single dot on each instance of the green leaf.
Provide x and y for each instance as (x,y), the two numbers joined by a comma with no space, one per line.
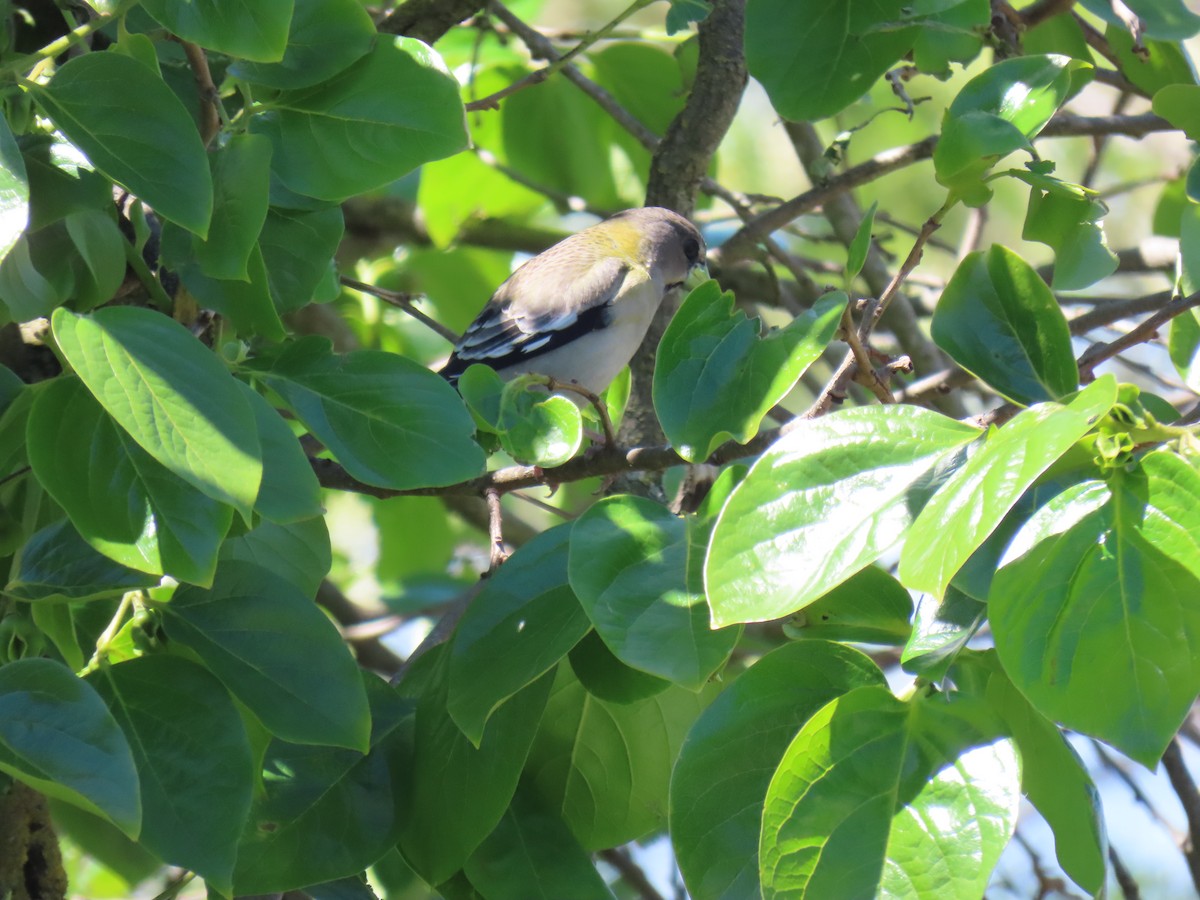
(136,131)
(860,246)
(251,29)
(996,112)
(1166,19)
(388,420)
(636,570)
(726,763)
(715,377)
(877,797)
(951,32)
(192,756)
(605,767)
(870,607)
(246,629)
(385,115)
(683,13)
(456,792)
(606,677)
(999,320)
(162,525)
(57,736)
(325,36)
(969,507)
(1160,63)
(58,565)
(532,855)
(1179,104)
(298,552)
(297,249)
(815,62)
(941,628)
(289,491)
(247,304)
(325,812)
(172,396)
(562,144)
(523,621)
(1071,227)
(1053,777)
(537,429)
(240,172)
(14,191)
(101,248)
(823,502)
(1096,591)
(26,293)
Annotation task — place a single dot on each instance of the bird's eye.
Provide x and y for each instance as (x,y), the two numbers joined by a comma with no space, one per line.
(691,249)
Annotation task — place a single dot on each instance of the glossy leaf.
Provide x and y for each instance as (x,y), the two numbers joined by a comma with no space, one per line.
(455,793)
(880,797)
(14,191)
(720,781)
(101,248)
(1071,227)
(106,104)
(323,38)
(1158,64)
(715,378)
(537,429)
(298,552)
(532,855)
(251,29)
(823,502)
(58,565)
(240,173)
(940,629)
(377,120)
(870,607)
(996,112)
(288,842)
(999,320)
(297,249)
(289,491)
(607,678)
(815,62)
(170,394)
(1179,104)
(969,507)
(192,756)
(1165,19)
(523,621)
(605,767)
(1091,611)
(636,569)
(246,629)
(57,736)
(1053,777)
(161,525)
(388,420)
(247,303)
(860,246)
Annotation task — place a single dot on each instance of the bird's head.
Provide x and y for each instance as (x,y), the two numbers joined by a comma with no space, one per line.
(671,247)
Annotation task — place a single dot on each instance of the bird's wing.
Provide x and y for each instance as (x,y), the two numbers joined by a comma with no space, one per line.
(552,312)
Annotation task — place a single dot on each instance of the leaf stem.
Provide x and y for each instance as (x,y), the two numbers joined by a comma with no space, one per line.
(66,42)
(110,633)
(152,285)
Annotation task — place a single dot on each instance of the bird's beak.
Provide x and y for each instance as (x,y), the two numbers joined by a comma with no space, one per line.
(696,276)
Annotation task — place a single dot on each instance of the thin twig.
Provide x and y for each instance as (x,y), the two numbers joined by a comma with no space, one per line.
(610,434)
(492,101)
(1128,886)
(401,301)
(210,100)
(1189,799)
(631,873)
(442,630)
(1037,13)
(496,552)
(1147,330)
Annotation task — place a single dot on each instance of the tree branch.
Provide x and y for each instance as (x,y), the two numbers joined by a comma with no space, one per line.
(678,167)
(428,20)
(1189,799)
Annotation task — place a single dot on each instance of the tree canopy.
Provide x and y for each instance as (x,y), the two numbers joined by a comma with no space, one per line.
(883,524)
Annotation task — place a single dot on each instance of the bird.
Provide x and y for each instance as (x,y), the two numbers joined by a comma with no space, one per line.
(578,311)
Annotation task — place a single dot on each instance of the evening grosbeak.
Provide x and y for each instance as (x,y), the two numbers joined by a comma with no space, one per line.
(578,311)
